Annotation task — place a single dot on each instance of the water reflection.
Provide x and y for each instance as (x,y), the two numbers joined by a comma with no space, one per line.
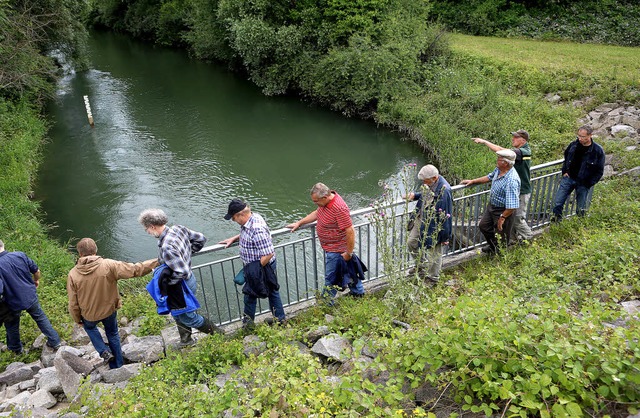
(187,137)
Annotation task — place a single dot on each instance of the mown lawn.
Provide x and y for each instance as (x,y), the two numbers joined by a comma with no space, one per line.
(618,62)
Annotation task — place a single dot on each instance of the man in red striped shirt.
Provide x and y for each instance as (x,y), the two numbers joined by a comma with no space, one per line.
(335,232)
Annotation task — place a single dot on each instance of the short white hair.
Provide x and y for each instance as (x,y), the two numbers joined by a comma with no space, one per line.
(427,172)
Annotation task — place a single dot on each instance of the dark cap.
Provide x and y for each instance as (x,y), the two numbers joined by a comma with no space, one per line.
(521,133)
(235,206)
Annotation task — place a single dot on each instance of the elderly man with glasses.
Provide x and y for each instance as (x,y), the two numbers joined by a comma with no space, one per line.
(504,200)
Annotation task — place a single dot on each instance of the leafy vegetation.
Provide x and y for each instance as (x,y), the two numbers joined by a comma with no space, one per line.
(525,334)
(593,21)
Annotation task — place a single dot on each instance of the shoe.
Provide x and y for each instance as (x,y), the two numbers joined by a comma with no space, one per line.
(55,347)
(274,321)
(488,250)
(107,356)
(185,335)
(356,295)
(18,353)
(209,327)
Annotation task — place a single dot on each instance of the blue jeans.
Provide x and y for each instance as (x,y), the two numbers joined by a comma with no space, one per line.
(330,267)
(275,304)
(13,328)
(583,195)
(191,319)
(111,329)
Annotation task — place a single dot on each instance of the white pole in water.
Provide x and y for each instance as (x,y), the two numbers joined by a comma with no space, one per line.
(88,107)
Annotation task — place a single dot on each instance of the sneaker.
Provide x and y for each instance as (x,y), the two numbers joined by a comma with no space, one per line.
(356,295)
(55,347)
(107,356)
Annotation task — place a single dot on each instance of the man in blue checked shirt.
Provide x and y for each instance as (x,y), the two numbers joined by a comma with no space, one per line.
(504,200)
(175,245)
(256,253)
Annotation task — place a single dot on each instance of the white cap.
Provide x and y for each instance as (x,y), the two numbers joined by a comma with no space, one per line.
(508,154)
(427,172)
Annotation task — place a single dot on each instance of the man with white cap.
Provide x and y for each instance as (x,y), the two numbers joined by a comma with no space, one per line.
(520,144)
(431,223)
(503,200)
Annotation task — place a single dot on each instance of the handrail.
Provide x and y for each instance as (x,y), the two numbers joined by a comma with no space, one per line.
(301,260)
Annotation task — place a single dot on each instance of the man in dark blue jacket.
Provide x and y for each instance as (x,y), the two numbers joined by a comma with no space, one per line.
(582,169)
(432,223)
(20,277)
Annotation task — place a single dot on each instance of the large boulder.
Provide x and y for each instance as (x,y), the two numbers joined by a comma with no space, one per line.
(333,347)
(17,374)
(41,399)
(121,374)
(144,349)
(48,380)
(69,378)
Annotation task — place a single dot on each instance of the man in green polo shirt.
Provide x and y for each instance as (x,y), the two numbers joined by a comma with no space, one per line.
(520,142)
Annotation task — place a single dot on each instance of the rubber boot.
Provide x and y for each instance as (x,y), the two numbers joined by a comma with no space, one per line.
(209,328)
(185,335)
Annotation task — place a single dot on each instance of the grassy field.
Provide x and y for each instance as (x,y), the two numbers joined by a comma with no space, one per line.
(617,62)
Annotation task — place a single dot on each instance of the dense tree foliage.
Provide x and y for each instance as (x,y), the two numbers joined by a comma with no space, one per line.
(30,32)
(343,53)
(601,21)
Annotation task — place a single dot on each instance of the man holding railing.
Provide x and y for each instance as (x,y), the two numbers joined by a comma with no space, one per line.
(336,234)
(520,143)
(503,200)
(176,244)
(259,259)
(431,224)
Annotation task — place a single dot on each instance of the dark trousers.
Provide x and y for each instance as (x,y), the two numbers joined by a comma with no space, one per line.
(489,226)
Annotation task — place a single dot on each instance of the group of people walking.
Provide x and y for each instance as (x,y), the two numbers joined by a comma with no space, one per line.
(92,283)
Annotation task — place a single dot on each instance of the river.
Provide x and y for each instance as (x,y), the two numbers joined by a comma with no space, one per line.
(186,136)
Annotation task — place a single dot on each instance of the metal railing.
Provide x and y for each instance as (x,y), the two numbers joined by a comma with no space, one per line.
(301,259)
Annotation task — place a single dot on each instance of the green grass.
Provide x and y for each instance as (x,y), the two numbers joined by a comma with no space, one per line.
(603,61)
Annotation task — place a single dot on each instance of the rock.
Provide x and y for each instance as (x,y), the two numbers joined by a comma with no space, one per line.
(121,374)
(553,98)
(78,364)
(223,378)
(253,345)
(626,130)
(41,399)
(329,318)
(144,349)
(631,120)
(27,384)
(632,307)
(16,374)
(333,347)
(596,117)
(39,341)
(79,335)
(606,107)
(69,378)
(426,394)
(631,148)
(608,171)
(300,346)
(19,399)
(47,379)
(316,334)
(12,391)
(170,337)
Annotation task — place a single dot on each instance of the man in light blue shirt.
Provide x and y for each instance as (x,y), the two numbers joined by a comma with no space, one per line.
(504,199)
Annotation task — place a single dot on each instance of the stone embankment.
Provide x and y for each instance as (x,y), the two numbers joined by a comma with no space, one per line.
(616,122)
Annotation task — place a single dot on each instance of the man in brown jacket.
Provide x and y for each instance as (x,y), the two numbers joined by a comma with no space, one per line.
(92,286)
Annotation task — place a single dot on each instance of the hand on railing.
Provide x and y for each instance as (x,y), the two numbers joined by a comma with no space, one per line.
(293,226)
(229,241)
